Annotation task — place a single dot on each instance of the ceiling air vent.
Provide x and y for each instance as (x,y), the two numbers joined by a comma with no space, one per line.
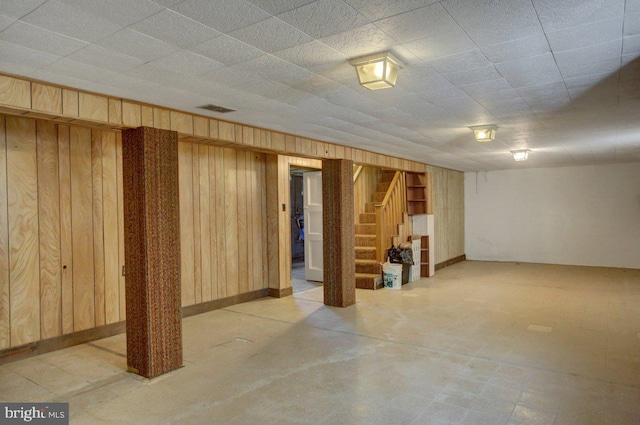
(216,108)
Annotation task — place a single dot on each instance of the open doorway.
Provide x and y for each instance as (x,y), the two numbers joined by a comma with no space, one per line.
(299,254)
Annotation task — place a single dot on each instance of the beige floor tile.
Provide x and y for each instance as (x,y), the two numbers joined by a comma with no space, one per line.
(454,348)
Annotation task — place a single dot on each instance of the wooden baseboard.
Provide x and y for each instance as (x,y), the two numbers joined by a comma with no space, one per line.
(192,310)
(57,343)
(280,293)
(451,261)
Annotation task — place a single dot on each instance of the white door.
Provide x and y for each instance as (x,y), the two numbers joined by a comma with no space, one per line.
(312,205)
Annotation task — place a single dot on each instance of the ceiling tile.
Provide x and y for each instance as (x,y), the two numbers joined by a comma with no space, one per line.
(276,7)
(436,95)
(136,44)
(440,45)
(323,18)
(495,21)
(588,81)
(41,39)
(632,24)
(275,69)
(148,72)
(473,76)
(361,41)
(227,50)
(585,35)
(104,58)
(631,45)
(64,19)
(489,87)
(186,63)
(316,85)
(175,29)
(421,77)
(271,35)
(378,9)
(461,62)
(543,91)
(79,70)
(222,15)
(123,12)
(313,56)
(5,21)
(556,15)
(517,49)
(19,59)
(419,23)
(530,71)
(597,59)
(18,8)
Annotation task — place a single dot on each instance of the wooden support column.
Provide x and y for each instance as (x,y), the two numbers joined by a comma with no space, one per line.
(152,250)
(338,233)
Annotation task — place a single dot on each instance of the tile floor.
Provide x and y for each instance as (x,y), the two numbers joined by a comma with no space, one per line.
(479,343)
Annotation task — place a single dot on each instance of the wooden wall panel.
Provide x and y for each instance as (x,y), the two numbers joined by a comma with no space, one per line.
(242,222)
(66,237)
(24,279)
(49,228)
(5,328)
(115,111)
(213,234)
(70,104)
(161,118)
(93,107)
(195,211)
(98,227)
(82,229)
(185,152)
(262,184)
(46,98)
(220,208)
(121,263)
(364,186)
(205,221)
(226,131)
(146,116)
(181,122)
(110,223)
(15,92)
(230,218)
(448,206)
(131,114)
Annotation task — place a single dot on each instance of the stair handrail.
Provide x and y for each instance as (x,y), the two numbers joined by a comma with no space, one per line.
(357,172)
(389,213)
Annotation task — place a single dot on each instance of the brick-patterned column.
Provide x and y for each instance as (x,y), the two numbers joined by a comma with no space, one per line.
(338,233)
(152,250)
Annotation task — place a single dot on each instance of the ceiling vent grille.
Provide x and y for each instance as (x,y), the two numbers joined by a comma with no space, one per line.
(216,108)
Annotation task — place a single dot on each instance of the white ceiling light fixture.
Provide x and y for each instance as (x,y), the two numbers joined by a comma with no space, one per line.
(379,71)
(484,133)
(521,154)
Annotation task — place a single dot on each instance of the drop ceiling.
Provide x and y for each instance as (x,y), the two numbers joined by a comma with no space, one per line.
(559,77)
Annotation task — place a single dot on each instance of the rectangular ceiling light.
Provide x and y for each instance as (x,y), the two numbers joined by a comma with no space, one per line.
(379,71)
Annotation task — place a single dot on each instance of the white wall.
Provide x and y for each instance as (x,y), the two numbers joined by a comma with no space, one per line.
(587,215)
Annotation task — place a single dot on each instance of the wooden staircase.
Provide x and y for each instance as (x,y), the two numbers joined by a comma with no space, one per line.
(368,269)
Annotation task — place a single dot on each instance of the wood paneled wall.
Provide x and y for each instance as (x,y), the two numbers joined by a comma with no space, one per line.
(223,222)
(61,227)
(60,238)
(448,199)
(364,186)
